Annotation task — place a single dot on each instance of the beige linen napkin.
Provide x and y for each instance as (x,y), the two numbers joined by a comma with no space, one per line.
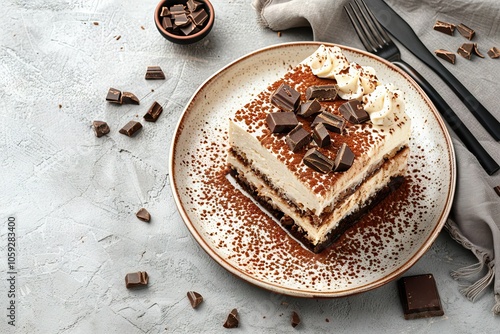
(475,218)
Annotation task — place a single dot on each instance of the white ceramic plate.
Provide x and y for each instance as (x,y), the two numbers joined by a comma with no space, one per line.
(248,243)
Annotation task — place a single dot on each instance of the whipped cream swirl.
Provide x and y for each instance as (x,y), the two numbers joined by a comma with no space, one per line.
(384,105)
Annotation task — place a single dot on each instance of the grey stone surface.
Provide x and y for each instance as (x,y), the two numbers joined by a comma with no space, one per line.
(74,196)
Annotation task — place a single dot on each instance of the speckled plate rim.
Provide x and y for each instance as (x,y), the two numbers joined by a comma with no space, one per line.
(440,221)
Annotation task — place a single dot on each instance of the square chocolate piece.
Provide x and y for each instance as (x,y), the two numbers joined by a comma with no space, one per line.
(114,96)
(137,279)
(279,122)
(419,297)
(286,98)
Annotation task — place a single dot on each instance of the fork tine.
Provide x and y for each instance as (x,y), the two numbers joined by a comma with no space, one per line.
(360,28)
(378,31)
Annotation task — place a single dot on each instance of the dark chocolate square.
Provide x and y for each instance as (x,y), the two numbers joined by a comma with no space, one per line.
(419,297)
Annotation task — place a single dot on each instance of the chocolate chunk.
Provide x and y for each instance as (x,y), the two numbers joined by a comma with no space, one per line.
(476,51)
(466,50)
(137,279)
(321,135)
(497,190)
(318,161)
(309,108)
(114,96)
(131,128)
(154,112)
(177,9)
(344,159)
(129,98)
(100,128)
(143,215)
(446,55)
(194,298)
(199,17)
(444,27)
(322,93)
(298,138)
(164,12)
(286,98)
(279,122)
(154,73)
(465,31)
(330,121)
(193,5)
(354,112)
(181,20)
(189,29)
(419,297)
(494,52)
(295,321)
(166,23)
(232,319)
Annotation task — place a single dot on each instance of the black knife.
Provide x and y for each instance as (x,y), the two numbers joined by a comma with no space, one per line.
(398,28)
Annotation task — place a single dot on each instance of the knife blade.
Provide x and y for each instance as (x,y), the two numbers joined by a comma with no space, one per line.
(398,28)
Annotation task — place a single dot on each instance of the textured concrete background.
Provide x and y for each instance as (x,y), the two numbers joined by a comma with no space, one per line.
(74,196)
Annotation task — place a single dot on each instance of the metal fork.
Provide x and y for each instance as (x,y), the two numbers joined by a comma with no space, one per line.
(376,40)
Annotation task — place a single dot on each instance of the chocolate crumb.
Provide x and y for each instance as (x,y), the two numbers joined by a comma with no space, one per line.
(295,321)
(143,215)
(232,319)
(194,298)
(497,190)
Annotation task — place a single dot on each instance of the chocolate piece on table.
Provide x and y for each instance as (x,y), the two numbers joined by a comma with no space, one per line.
(129,98)
(465,31)
(494,52)
(154,73)
(309,108)
(114,96)
(286,98)
(295,320)
(466,50)
(189,29)
(137,279)
(476,51)
(332,122)
(444,27)
(100,128)
(143,215)
(446,55)
(344,159)
(164,11)
(318,161)
(297,138)
(199,17)
(177,9)
(419,297)
(154,112)
(497,190)
(194,298)
(279,122)
(131,128)
(354,112)
(166,23)
(322,93)
(181,20)
(232,319)
(321,135)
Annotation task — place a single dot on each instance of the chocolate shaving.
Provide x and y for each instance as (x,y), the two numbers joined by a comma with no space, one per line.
(154,73)
(322,93)
(295,320)
(131,128)
(354,112)
(476,51)
(129,98)
(114,96)
(344,159)
(494,52)
(332,122)
(465,31)
(446,55)
(194,298)
(154,112)
(137,279)
(101,128)
(419,297)
(321,135)
(143,215)
(297,138)
(444,27)
(232,319)
(309,108)
(279,122)
(318,161)
(286,98)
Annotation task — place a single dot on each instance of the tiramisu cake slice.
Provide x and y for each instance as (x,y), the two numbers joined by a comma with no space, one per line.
(321,146)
